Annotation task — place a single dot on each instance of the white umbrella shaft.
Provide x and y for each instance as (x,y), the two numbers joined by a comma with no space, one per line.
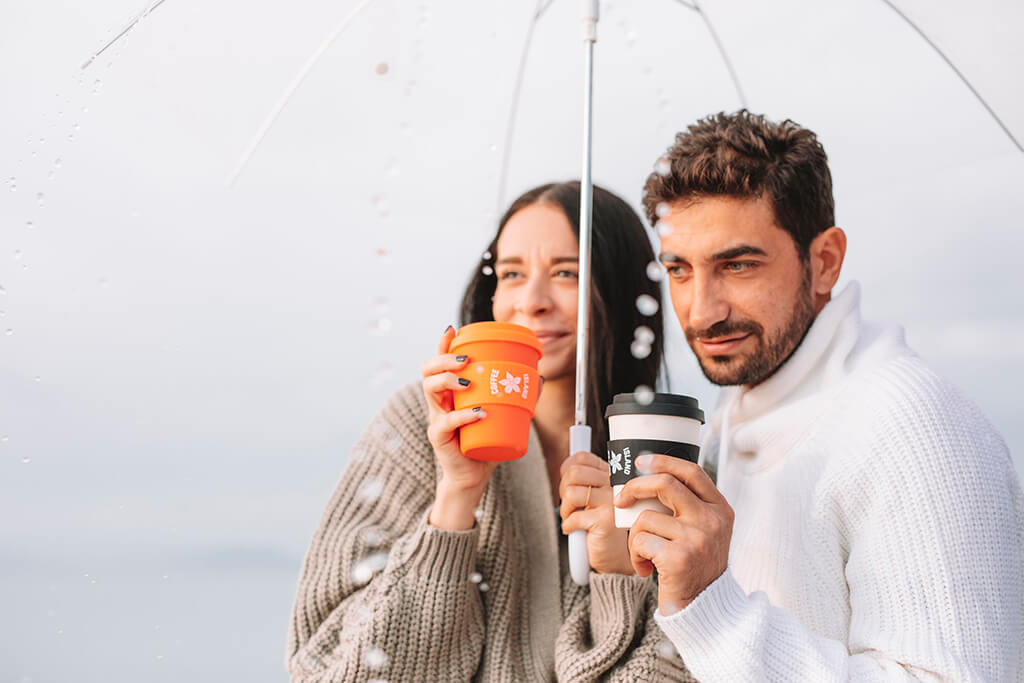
(579,433)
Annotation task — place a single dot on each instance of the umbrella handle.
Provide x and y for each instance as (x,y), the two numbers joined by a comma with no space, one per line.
(579,563)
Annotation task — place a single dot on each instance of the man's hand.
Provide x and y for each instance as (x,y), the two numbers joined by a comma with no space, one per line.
(690,547)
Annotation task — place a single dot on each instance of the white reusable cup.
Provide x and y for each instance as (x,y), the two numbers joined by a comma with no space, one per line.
(667,424)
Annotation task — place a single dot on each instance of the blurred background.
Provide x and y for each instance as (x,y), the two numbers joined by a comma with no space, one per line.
(205,296)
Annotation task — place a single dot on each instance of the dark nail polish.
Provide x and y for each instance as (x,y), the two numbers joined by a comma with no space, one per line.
(446,329)
(460,359)
(463,381)
(477,409)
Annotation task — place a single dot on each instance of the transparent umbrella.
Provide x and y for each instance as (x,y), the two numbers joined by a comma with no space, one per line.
(184,359)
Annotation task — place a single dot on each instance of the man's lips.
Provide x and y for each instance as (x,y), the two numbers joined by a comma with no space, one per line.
(722,345)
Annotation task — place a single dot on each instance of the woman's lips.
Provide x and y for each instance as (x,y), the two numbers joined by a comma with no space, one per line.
(717,347)
(548,337)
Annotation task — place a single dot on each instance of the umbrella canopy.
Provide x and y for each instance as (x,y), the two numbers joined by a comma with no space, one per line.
(162,327)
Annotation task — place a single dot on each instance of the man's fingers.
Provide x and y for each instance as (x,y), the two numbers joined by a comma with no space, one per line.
(690,473)
(664,487)
(644,548)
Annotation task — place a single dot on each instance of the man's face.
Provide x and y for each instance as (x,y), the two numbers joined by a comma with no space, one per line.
(738,286)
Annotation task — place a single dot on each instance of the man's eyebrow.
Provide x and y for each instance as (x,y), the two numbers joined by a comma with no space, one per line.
(731,253)
(742,250)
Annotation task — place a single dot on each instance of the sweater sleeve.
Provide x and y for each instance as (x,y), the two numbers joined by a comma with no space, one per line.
(932,521)
(611,635)
(382,594)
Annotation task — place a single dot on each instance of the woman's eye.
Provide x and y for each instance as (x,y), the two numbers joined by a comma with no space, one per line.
(568,274)
(509,274)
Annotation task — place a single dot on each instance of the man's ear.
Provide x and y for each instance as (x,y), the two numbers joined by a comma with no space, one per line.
(827,253)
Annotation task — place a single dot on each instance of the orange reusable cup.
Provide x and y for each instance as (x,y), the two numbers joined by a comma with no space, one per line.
(503,379)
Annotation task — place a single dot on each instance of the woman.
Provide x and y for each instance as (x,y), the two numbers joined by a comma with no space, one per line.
(429,566)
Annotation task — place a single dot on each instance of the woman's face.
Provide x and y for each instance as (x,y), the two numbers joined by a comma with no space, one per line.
(537,268)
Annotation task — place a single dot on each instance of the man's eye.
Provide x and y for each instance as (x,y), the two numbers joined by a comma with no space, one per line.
(676,270)
(740,266)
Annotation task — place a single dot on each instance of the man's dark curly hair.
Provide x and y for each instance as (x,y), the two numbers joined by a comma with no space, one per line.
(746,156)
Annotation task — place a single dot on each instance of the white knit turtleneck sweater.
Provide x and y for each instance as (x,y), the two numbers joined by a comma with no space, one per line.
(879,529)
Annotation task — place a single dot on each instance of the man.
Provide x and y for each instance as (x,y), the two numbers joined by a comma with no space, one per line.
(867,521)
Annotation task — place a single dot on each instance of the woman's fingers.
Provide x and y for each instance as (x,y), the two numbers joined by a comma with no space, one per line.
(581,520)
(446,362)
(575,498)
(585,459)
(441,430)
(446,340)
(582,475)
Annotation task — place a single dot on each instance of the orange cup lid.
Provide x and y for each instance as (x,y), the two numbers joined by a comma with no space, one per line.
(491,331)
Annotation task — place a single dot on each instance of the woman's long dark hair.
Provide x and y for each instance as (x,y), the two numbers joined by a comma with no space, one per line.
(620,255)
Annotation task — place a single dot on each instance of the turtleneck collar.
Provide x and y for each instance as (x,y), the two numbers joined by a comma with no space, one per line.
(837,343)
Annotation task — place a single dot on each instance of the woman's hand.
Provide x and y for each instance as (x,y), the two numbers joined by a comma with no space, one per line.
(462,480)
(586,475)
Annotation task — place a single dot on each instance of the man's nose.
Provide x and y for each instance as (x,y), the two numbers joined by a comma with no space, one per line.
(707,303)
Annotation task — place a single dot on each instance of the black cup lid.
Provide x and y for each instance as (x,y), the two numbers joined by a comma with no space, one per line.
(675,405)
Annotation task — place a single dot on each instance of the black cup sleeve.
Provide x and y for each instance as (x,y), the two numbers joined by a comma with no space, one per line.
(622,453)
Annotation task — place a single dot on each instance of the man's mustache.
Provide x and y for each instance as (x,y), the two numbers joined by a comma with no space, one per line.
(724,328)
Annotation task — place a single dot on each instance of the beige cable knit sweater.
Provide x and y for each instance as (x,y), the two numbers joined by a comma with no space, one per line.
(384,595)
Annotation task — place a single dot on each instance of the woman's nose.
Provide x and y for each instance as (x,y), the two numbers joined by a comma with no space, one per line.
(536,297)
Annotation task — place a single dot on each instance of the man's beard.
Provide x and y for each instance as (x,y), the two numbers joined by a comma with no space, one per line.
(769,355)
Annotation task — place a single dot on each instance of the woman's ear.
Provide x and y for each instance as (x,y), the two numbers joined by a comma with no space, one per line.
(827,253)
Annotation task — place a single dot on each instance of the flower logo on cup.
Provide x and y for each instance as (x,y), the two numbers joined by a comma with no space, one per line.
(614,462)
(510,383)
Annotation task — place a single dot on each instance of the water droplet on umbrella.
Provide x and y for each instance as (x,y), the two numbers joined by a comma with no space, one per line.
(159,658)
(380,326)
(96,85)
(2,313)
(40,198)
(9,332)
(630,38)
(75,126)
(487,270)
(71,138)
(39,379)
(17,254)
(364,570)
(405,128)
(371,490)
(666,650)
(487,256)
(2,291)
(42,141)
(493,148)
(375,658)
(662,167)
(4,438)
(644,395)
(58,163)
(382,68)
(476,577)
(382,306)
(662,209)
(484,587)
(644,334)
(646,304)
(655,271)
(383,255)
(639,349)
(372,536)
(664,228)
(29,224)
(478,513)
